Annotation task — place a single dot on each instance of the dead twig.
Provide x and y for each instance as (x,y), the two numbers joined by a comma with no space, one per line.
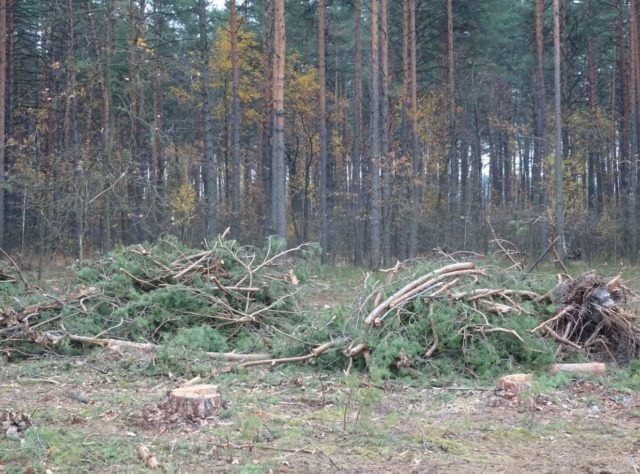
(286,360)
(539,259)
(434,346)
(507,253)
(561,339)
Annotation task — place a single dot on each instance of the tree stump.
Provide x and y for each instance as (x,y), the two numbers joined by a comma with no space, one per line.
(195,402)
(514,384)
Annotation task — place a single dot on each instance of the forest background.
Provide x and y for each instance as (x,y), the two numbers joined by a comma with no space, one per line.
(381,129)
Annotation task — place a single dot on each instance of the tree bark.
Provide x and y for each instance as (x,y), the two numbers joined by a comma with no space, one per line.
(72,144)
(454,176)
(592,93)
(278,168)
(193,402)
(358,242)
(104,67)
(136,107)
(416,179)
(635,134)
(324,224)
(376,207)
(540,135)
(3,83)
(235,123)
(157,164)
(558,126)
(211,188)
(387,165)
(266,127)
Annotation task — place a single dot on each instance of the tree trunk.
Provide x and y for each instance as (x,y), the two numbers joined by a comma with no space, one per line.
(3,82)
(558,137)
(416,178)
(376,204)
(592,93)
(107,118)
(635,134)
(358,242)
(278,169)
(540,133)
(136,106)
(454,193)
(211,188)
(235,123)
(157,163)
(72,144)
(324,224)
(266,126)
(387,165)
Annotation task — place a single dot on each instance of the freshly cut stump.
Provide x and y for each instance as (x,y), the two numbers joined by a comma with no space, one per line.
(195,402)
(515,383)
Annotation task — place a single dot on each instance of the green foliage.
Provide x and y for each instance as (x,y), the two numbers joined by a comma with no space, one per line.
(471,339)
(166,293)
(203,338)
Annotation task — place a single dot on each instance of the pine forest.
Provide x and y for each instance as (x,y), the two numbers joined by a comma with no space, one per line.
(380,129)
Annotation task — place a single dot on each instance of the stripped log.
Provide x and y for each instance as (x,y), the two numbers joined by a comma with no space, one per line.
(589,368)
(414,288)
(149,348)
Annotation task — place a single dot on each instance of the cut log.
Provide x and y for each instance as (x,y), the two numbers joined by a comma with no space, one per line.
(515,383)
(590,368)
(150,348)
(194,402)
(414,287)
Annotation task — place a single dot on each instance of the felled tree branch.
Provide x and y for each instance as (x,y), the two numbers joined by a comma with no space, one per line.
(417,286)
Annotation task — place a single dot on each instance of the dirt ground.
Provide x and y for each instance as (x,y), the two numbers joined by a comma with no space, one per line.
(89,414)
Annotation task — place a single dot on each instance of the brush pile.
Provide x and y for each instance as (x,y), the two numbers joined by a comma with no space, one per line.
(460,318)
(202,298)
(448,318)
(594,315)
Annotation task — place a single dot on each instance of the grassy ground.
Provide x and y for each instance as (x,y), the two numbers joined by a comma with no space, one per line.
(88,415)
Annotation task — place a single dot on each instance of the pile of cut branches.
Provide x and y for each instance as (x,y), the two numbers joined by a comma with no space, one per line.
(593,315)
(452,318)
(161,293)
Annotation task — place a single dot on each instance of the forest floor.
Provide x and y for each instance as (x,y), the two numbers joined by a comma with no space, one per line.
(88,415)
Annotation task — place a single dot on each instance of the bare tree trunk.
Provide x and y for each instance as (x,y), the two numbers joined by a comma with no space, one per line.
(235,123)
(3,83)
(558,138)
(376,205)
(454,192)
(72,145)
(136,98)
(416,178)
(387,165)
(211,188)
(592,92)
(324,225)
(104,67)
(266,128)
(278,168)
(358,242)
(540,140)
(157,163)
(635,134)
